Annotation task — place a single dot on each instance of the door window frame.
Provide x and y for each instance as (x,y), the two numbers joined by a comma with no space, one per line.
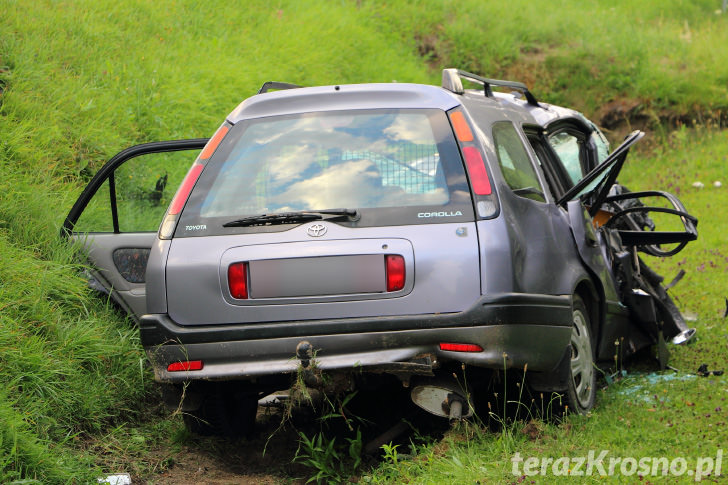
(107,173)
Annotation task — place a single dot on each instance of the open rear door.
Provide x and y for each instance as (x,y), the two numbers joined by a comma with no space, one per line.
(117,216)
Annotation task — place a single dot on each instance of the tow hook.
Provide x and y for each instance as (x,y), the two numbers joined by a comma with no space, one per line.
(304,353)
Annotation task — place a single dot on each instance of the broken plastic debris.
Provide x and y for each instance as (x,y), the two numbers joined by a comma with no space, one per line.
(118,479)
(690,316)
(698,185)
(704,372)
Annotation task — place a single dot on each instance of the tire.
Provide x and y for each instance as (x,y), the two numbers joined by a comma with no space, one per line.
(224,411)
(581,391)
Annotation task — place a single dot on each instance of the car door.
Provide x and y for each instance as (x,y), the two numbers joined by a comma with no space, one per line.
(116,217)
(537,228)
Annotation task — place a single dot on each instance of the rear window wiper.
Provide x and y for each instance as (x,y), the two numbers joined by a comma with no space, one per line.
(290,217)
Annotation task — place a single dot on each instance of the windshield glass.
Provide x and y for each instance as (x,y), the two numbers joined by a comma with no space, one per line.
(365,159)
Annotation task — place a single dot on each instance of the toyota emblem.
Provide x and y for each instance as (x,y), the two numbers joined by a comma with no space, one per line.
(316,230)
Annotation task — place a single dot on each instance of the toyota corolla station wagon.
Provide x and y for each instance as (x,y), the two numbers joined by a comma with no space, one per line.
(382,229)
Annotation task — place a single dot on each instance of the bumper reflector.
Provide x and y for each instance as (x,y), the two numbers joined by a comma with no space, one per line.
(452,347)
(186,365)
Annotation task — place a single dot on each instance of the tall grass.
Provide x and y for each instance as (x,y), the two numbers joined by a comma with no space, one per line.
(81,80)
(69,366)
(666,55)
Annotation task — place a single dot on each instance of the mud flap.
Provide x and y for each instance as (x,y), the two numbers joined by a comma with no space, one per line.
(555,381)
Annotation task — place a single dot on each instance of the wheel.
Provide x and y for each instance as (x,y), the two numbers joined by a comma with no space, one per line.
(581,390)
(224,411)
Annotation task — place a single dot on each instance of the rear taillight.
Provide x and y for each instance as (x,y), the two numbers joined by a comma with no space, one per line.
(180,198)
(485,202)
(395,269)
(178,202)
(238,280)
(454,347)
(184,189)
(191,178)
(460,125)
(214,142)
(476,169)
(185,365)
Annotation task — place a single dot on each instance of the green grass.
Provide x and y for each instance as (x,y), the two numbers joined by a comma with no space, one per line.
(82,80)
(585,54)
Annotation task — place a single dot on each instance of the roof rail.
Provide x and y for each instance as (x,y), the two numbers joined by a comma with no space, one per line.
(276,85)
(451,80)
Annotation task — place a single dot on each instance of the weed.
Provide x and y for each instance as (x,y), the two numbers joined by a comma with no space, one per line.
(390,454)
(330,461)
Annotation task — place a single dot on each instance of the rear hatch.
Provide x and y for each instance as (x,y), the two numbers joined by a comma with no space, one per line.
(337,214)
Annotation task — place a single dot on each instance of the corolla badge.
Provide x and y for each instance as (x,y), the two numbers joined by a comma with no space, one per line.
(316,230)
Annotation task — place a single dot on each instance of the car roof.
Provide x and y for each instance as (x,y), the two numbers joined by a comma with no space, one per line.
(344,97)
(490,107)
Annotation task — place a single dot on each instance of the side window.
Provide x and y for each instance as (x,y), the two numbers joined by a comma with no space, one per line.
(570,150)
(515,164)
(602,145)
(138,191)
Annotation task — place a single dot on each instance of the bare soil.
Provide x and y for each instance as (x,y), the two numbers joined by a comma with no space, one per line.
(267,456)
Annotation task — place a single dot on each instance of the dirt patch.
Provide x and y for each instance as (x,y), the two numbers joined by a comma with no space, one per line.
(623,111)
(267,456)
(194,466)
(432,49)
(264,458)
(621,116)
(531,69)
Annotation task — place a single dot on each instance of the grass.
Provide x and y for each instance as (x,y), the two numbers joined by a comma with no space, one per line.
(81,80)
(662,55)
(68,364)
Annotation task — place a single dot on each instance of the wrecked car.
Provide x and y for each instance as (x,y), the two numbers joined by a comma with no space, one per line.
(391,229)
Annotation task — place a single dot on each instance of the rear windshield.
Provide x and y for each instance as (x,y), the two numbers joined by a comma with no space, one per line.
(405,161)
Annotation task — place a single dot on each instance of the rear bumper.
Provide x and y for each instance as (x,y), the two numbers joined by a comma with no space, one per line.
(512,329)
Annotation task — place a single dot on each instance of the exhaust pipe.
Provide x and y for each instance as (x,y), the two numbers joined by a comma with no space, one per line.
(442,397)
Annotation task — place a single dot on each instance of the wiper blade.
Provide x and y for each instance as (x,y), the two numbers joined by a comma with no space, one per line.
(289,217)
(266,219)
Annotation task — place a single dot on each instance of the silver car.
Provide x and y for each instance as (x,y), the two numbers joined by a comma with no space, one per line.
(381,229)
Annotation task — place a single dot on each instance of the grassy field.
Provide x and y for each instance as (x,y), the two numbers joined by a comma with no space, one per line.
(80,80)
